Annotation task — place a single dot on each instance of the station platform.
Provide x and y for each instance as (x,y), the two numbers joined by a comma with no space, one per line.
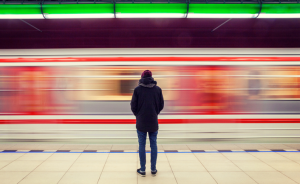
(177,164)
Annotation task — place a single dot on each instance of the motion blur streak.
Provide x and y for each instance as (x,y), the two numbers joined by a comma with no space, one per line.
(205,100)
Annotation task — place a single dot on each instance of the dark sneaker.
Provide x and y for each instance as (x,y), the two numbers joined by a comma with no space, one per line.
(154,172)
(142,173)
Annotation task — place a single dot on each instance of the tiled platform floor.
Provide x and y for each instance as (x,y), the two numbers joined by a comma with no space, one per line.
(181,168)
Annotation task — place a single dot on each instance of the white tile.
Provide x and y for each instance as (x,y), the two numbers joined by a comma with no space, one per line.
(187,166)
(64,156)
(42,178)
(249,165)
(240,156)
(55,165)
(174,157)
(211,157)
(35,156)
(270,178)
(292,156)
(194,178)
(11,177)
(4,163)
(284,165)
(220,166)
(232,178)
(93,157)
(22,165)
(120,167)
(118,177)
(295,176)
(10,156)
(80,178)
(87,166)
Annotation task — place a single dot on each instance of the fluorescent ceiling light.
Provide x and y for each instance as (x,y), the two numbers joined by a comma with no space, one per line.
(205,15)
(150,15)
(78,16)
(21,16)
(277,15)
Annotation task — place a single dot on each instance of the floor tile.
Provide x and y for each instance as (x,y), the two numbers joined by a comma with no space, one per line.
(295,176)
(224,166)
(210,156)
(4,163)
(194,178)
(64,156)
(35,156)
(269,156)
(42,178)
(249,165)
(187,166)
(12,177)
(284,166)
(160,178)
(120,167)
(122,157)
(240,156)
(118,177)
(292,156)
(87,166)
(181,157)
(80,178)
(54,165)
(270,178)
(93,157)
(22,165)
(232,178)
(10,156)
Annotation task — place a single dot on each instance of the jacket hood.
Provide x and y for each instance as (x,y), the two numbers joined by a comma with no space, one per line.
(147,82)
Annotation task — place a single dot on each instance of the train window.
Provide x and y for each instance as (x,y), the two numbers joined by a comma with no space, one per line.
(115,84)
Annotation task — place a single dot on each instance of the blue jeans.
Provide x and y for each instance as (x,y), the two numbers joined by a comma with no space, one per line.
(142,152)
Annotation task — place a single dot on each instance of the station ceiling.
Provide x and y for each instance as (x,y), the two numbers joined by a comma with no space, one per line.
(146,33)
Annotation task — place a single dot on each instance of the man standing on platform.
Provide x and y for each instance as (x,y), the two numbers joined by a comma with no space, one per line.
(146,103)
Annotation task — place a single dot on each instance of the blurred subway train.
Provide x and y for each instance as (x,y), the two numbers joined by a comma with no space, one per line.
(211,95)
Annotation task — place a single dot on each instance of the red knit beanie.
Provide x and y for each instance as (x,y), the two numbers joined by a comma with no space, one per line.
(146,73)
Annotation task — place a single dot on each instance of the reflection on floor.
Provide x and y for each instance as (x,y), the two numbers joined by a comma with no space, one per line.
(236,167)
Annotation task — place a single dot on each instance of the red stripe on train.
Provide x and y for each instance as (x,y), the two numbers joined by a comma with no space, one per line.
(132,121)
(95,59)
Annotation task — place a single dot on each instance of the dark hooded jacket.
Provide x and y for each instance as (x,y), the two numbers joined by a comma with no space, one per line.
(146,103)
